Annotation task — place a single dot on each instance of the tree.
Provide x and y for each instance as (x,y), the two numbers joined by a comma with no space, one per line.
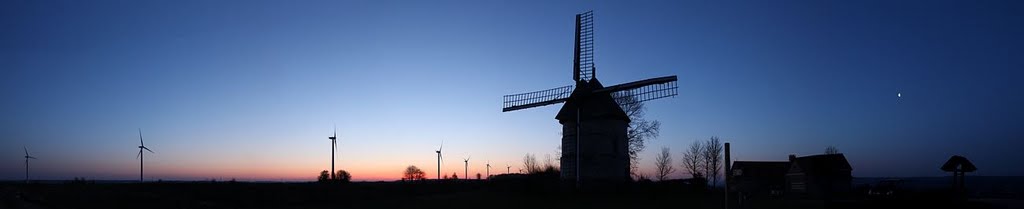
(693,160)
(639,130)
(712,159)
(455,175)
(531,164)
(343,176)
(324,176)
(477,176)
(414,173)
(831,150)
(664,164)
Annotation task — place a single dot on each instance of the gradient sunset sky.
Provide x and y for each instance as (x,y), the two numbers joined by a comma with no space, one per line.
(251,89)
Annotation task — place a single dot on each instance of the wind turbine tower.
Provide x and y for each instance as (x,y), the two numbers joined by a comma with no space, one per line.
(142,146)
(27,156)
(334,144)
(467,167)
(488,169)
(439,158)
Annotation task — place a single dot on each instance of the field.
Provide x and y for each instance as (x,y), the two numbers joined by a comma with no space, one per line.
(423,194)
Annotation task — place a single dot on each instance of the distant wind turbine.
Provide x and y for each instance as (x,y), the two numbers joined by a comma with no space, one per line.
(27,156)
(334,144)
(488,169)
(142,146)
(467,167)
(508,169)
(439,158)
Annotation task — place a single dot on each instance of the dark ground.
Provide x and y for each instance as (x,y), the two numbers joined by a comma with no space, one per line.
(429,194)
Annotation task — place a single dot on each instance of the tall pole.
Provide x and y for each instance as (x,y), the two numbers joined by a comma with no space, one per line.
(142,157)
(466,172)
(728,173)
(26,170)
(332,157)
(438,164)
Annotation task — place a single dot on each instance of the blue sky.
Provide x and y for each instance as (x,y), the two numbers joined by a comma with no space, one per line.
(251,89)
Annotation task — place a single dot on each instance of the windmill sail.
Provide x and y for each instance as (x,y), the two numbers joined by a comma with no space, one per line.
(536,99)
(583,56)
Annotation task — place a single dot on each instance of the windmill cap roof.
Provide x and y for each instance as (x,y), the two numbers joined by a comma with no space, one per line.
(958,163)
(595,106)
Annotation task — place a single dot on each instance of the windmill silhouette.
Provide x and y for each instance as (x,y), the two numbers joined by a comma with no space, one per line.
(466,174)
(142,146)
(334,145)
(439,158)
(27,156)
(588,101)
(488,169)
(508,169)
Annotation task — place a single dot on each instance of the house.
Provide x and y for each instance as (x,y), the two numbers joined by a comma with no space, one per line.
(751,179)
(818,176)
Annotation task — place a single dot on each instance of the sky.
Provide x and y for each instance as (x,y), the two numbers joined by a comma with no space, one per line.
(251,89)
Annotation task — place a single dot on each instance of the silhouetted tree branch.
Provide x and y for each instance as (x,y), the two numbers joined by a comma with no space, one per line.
(712,159)
(831,150)
(531,164)
(639,130)
(693,160)
(343,176)
(664,164)
(324,176)
(414,173)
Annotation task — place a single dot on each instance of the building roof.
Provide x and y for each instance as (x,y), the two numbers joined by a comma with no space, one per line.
(596,106)
(821,164)
(958,163)
(760,168)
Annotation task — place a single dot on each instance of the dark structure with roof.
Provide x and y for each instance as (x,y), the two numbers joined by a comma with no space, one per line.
(958,165)
(755,179)
(818,176)
(592,115)
(604,154)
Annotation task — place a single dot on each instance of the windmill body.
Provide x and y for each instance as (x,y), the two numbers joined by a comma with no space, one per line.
(438,151)
(27,157)
(334,144)
(591,117)
(142,146)
(466,171)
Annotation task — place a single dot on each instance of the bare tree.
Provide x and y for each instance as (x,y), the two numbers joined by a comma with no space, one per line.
(342,176)
(664,163)
(693,160)
(831,150)
(712,159)
(531,164)
(640,129)
(414,173)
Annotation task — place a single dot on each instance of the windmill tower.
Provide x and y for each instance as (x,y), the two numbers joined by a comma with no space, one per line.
(142,146)
(466,174)
(488,169)
(591,117)
(438,151)
(334,145)
(27,156)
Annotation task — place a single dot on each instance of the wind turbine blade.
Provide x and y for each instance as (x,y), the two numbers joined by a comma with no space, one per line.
(26,150)
(32,157)
(141,143)
(139,155)
(147,149)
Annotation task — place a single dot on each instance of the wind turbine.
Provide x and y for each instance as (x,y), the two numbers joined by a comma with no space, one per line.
(334,144)
(508,168)
(488,169)
(467,167)
(27,156)
(142,146)
(439,158)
